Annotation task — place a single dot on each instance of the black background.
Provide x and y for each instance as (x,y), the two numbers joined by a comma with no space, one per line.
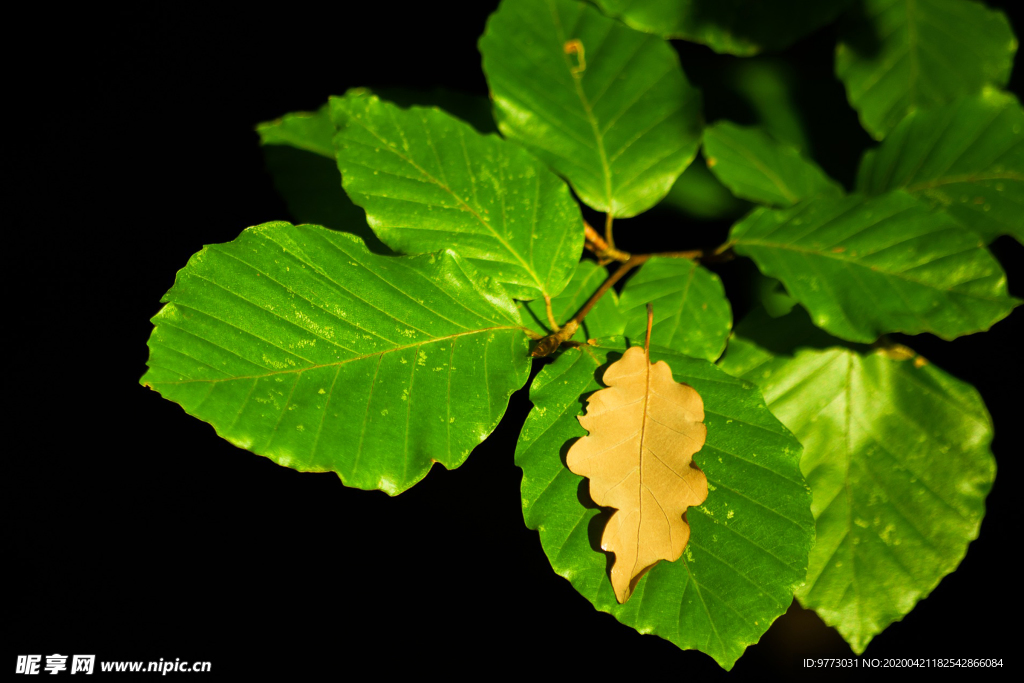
(138,534)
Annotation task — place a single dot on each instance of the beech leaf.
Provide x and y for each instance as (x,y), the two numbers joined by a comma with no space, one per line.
(691,313)
(897,454)
(749,540)
(644,429)
(607,107)
(867,266)
(297,343)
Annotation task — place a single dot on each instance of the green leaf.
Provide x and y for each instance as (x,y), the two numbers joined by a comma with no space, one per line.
(300,157)
(603,320)
(309,131)
(756,167)
(749,541)
(698,194)
(966,158)
(864,267)
(897,456)
(428,181)
(617,118)
(299,344)
(896,56)
(738,27)
(691,314)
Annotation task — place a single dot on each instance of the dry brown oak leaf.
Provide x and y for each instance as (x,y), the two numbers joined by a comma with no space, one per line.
(644,430)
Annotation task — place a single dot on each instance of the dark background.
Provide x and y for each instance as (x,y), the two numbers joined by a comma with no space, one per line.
(138,534)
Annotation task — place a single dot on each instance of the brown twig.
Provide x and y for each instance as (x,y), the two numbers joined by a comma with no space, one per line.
(693,254)
(719,255)
(619,273)
(605,252)
(550,343)
(722,254)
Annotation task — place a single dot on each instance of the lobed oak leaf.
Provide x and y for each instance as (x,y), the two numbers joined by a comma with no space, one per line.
(644,429)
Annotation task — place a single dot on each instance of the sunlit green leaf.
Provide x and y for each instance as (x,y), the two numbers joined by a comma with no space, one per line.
(691,314)
(896,56)
(897,456)
(739,27)
(299,344)
(966,157)
(756,167)
(864,267)
(309,131)
(428,181)
(749,541)
(604,105)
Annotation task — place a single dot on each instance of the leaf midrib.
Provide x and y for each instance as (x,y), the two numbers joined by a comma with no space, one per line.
(812,252)
(587,110)
(640,466)
(345,361)
(966,178)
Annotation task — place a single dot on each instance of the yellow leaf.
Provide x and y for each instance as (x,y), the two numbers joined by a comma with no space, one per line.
(644,430)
